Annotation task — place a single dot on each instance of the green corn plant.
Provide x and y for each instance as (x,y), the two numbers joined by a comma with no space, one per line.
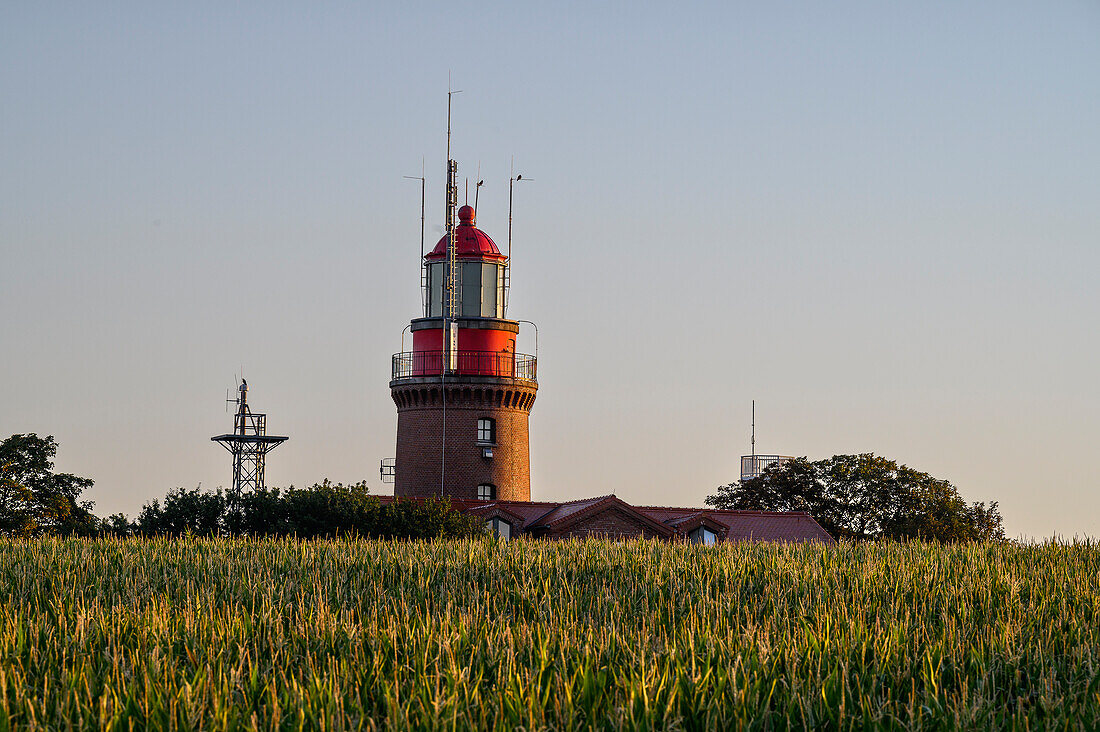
(215,633)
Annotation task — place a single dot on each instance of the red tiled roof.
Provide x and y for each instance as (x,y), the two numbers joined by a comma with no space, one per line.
(789,527)
(529,511)
(576,512)
(687,524)
(496,509)
(793,526)
(682,519)
(565,510)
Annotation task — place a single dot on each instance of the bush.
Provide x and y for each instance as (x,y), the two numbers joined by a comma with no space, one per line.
(184,511)
(323,510)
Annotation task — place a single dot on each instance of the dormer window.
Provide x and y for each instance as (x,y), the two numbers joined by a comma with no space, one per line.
(704,536)
(501,528)
(487,431)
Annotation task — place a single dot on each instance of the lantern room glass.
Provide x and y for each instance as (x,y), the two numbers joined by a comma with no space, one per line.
(479,289)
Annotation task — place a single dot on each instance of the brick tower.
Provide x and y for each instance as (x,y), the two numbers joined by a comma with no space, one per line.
(463,394)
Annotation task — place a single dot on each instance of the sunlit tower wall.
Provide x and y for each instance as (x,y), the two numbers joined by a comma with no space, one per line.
(464,394)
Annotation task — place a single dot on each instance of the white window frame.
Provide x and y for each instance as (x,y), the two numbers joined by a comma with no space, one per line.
(703,535)
(501,528)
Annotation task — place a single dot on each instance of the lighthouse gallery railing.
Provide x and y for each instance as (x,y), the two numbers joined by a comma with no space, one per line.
(470,363)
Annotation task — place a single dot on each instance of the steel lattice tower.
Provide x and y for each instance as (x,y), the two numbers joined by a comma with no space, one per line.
(249,444)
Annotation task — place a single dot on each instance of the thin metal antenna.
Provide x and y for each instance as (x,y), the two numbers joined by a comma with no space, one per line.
(450,91)
(466,199)
(512,179)
(477,189)
(423,269)
(754,432)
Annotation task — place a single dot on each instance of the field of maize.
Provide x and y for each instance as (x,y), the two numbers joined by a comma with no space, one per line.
(280,634)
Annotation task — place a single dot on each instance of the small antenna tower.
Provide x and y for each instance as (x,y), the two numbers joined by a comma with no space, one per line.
(249,445)
(754,428)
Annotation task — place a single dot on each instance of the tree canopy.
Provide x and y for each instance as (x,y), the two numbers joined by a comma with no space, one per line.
(36,500)
(33,498)
(322,510)
(865,497)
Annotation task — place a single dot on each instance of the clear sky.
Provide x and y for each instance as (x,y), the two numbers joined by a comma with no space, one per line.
(879,220)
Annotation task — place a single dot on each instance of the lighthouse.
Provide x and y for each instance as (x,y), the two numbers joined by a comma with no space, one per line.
(464,394)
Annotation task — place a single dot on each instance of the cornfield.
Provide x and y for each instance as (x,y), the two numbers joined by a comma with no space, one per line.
(281,634)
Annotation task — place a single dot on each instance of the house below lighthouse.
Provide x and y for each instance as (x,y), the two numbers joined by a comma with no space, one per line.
(464,394)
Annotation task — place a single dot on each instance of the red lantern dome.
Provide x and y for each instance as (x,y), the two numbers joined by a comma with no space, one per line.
(470,241)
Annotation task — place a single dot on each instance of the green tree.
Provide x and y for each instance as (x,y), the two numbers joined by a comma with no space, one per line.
(324,509)
(33,498)
(116,525)
(331,509)
(184,511)
(863,497)
(426,519)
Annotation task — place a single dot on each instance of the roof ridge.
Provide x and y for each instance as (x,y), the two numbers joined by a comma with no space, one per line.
(593,498)
(596,499)
(499,500)
(740,511)
(592,503)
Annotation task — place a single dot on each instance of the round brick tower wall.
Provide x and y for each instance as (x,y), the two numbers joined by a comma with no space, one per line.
(420,433)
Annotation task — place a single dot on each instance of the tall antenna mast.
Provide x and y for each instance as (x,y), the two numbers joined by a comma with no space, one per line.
(450,327)
(754,428)
(452,202)
(512,179)
(477,188)
(423,267)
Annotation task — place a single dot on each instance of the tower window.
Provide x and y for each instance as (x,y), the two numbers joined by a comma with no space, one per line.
(486,492)
(487,431)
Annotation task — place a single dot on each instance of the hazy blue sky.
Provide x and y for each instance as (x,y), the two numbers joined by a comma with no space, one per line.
(879,220)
